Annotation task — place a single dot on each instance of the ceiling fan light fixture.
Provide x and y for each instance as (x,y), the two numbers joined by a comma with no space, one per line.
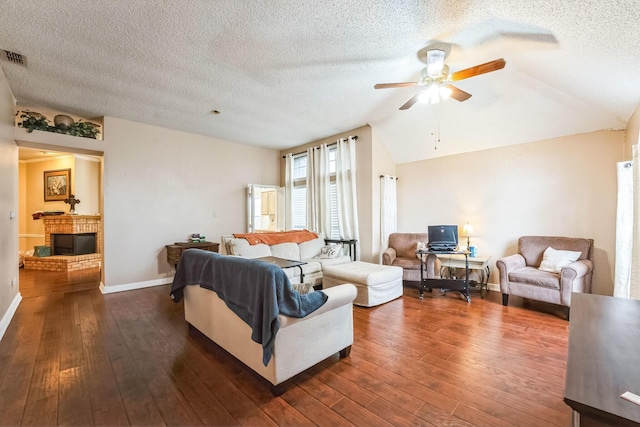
(424,97)
(434,93)
(435,62)
(445,92)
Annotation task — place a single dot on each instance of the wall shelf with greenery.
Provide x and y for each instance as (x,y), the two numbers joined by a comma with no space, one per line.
(62,123)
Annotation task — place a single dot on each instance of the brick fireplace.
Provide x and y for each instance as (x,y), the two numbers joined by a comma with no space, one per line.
(68,224)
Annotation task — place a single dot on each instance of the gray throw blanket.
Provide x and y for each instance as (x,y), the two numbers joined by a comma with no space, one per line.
(256,291)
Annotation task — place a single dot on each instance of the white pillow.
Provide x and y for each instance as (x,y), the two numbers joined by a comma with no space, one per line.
(331,251)
(421,247)
(553,260)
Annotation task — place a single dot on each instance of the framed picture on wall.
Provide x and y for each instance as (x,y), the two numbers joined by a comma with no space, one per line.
(57,185)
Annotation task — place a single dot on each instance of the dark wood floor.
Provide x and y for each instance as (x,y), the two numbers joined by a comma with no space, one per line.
(35,283)
(83,358)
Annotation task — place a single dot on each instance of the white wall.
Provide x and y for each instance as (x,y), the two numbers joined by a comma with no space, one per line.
(161,185)
(632,133)
(86,185)
(9,297)
(564,186)
(382,164)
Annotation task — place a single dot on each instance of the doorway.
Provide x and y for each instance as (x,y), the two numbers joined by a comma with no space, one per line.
(85,185)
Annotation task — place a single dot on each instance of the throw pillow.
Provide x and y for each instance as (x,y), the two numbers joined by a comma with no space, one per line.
(331,251)
(421,247)
(302,288)
(553,260)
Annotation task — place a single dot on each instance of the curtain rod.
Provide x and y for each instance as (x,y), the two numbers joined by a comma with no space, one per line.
(328,145)
(392,177)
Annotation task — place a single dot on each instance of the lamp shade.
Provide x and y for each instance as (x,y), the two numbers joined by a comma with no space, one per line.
(467,230)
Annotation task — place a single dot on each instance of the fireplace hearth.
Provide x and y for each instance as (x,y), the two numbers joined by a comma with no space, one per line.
(75,234)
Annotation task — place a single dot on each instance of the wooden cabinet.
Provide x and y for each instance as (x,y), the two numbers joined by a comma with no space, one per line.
(174,252)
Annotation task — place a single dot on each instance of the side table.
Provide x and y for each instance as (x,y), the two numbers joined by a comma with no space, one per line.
(174,252)
(479,264)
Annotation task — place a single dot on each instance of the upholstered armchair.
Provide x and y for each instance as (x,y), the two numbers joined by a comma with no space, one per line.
(402,253)
(539,273)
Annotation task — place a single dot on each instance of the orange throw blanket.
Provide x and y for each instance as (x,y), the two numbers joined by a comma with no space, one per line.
(295,236)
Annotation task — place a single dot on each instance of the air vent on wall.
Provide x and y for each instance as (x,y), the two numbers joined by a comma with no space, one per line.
(14,57)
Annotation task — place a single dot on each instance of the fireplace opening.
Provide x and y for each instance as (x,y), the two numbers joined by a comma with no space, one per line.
(73,244)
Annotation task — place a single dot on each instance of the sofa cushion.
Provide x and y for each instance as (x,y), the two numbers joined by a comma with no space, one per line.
(331,251)
(407,263)
(288,250)
(554,260)
(533,276)
(241,247)
(311,248)
(342,259)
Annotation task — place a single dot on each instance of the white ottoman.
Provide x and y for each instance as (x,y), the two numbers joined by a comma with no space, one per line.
(376,284)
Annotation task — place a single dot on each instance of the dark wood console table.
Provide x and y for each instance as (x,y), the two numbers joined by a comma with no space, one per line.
(445,285)
(602,364)
(174,252)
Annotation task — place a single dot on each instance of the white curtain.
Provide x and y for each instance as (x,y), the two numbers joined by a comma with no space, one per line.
(388,211)
(288,191)
(347,199)
(318,196)
(627,265)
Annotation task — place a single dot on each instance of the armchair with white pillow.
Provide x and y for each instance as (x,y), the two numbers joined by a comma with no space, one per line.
(547,268)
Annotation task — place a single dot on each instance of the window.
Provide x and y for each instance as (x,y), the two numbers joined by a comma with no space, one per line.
(299,195)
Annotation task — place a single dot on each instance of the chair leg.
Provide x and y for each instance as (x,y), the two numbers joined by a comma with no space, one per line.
(567,312)
(505,299)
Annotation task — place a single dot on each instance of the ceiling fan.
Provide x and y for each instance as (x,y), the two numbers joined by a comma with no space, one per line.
(435,79)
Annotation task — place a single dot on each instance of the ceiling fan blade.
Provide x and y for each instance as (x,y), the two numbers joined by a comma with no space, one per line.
(487,67)
(410,102)
(392,85)
(457,94)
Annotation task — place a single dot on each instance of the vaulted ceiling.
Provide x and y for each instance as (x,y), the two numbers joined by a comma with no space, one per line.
(284,73)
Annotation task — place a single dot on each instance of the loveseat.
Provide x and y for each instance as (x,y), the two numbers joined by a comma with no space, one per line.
(547,268)
(289,345)
(316,253)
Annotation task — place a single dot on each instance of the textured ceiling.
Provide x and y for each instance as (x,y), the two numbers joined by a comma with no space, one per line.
(284,73)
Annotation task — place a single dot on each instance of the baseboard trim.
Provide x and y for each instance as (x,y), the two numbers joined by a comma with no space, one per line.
(132,286)
(6,319)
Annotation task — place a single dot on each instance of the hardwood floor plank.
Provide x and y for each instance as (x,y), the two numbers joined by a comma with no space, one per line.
(106,402)
(74,404)
(479,418)
(358,415)
(41,407)
(312,408)
(15,385)
(139,404)
(317,389)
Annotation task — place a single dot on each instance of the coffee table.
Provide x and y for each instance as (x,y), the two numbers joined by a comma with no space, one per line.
(284,263)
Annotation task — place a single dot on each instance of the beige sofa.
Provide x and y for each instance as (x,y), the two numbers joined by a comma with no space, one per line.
(521,275)
(299,343)
(309,252)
